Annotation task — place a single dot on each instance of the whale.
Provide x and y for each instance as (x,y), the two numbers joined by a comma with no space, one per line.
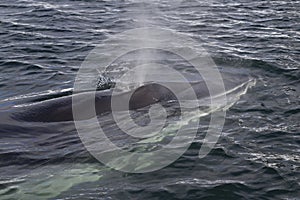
(60,109)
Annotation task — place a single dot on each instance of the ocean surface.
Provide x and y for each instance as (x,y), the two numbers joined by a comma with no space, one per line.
(43,44)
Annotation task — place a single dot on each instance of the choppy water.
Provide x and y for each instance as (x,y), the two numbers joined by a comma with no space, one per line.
(43,44)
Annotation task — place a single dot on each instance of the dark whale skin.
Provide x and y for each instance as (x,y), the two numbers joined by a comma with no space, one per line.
(60,109)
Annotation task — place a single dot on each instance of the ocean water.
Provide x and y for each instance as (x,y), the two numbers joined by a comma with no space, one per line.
(43,44)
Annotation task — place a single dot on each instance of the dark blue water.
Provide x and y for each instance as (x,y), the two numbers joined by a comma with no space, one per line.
(43,44)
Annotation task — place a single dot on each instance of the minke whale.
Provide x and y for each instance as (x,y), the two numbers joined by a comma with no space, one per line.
(60,109)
